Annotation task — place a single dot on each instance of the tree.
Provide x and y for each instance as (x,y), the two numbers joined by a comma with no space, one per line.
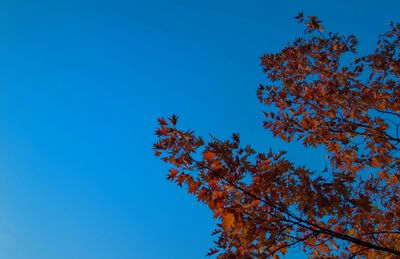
(267,204)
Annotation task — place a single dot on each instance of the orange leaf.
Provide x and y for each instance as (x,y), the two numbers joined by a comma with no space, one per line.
(228,221)
(255,203)
(375,162)
(172,174)
(208,155)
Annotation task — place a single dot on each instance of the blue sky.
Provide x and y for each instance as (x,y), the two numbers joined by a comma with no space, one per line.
(81,85)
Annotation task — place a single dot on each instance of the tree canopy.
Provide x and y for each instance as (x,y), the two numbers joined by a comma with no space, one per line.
(267,204)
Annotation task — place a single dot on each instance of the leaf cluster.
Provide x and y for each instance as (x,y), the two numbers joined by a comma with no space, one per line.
(266,203)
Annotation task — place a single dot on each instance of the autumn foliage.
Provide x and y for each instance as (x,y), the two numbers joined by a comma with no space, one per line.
(265,203)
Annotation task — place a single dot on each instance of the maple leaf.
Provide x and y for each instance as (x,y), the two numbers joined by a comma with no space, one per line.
(255,203)
(173,172)
(208,155)
(162,121)
(173,119)
(228,220)
(212,251)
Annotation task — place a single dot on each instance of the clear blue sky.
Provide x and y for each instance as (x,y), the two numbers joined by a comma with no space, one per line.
(81,85)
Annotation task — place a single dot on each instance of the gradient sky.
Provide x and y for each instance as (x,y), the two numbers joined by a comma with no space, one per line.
(81,85)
